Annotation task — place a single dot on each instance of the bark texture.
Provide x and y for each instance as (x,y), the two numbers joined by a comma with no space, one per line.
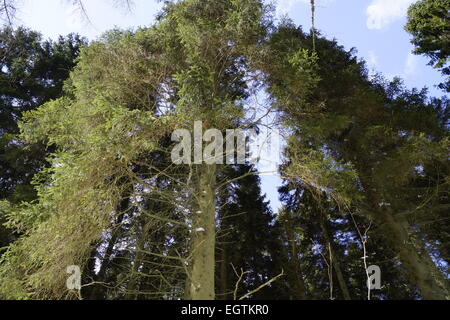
(201,286)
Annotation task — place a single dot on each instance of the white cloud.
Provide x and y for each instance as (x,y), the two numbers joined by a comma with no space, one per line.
(381,13)
(411,65)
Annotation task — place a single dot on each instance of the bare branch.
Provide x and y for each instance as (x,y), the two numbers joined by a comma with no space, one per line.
(262,286)
(239,280)
(8,9)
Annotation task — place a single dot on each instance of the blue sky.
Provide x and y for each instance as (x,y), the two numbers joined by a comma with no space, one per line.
(373,27)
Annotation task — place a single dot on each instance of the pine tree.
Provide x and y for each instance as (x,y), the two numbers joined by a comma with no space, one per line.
(32,72)
(428,23)
(351,133)
(127,94)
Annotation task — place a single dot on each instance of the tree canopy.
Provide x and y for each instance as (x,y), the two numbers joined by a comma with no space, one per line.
(428,23)
(87,134)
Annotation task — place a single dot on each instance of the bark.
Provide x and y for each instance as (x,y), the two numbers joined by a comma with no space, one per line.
(422,271)
(203,235)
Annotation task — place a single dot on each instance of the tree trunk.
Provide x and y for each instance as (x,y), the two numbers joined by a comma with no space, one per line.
(203,235)
(336,264)
(421,270)
(299,283)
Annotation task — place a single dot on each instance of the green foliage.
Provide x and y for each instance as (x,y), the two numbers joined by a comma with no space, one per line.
(362,142)
(429,24)
(319,172)
(32,71)
(362,155)
(129,91)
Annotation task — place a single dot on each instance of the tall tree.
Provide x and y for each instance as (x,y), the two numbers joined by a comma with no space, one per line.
(247,241)
(352,133)
(32,72)
(128,92)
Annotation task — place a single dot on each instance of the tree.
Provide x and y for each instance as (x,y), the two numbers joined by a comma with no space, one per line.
(329,243)
(247,243)
(365,171)
(127,94)
(350,133)
(32,72)
(428,23)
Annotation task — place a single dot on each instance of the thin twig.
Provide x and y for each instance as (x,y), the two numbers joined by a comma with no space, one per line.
(262,286)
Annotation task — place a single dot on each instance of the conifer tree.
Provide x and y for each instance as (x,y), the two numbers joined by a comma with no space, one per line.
(351,134)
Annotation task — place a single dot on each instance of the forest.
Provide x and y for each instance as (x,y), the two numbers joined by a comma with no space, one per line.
(94,207)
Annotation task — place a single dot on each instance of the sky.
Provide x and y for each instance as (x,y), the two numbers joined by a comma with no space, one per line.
(373,27)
